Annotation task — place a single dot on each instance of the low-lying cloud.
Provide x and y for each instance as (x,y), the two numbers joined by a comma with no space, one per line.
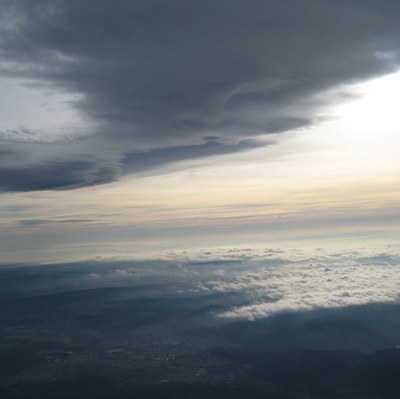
(310,284)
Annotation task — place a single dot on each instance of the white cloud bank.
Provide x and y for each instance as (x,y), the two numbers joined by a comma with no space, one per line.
(298,283)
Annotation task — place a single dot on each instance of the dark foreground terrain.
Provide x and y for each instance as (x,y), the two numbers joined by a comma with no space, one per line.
(165,371)
(64,336)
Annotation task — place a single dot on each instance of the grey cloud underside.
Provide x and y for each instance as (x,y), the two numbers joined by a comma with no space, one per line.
(158,77)
(73,173)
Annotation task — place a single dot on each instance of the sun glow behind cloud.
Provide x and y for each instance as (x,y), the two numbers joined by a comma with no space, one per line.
(337,166)
(375,114)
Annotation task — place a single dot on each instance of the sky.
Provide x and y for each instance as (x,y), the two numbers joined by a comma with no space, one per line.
(131,129)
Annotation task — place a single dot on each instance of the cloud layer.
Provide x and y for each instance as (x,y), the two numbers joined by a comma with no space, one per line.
(160,82)
(272,281)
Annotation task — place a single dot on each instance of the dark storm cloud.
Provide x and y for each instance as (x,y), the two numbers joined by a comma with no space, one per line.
(158,77)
